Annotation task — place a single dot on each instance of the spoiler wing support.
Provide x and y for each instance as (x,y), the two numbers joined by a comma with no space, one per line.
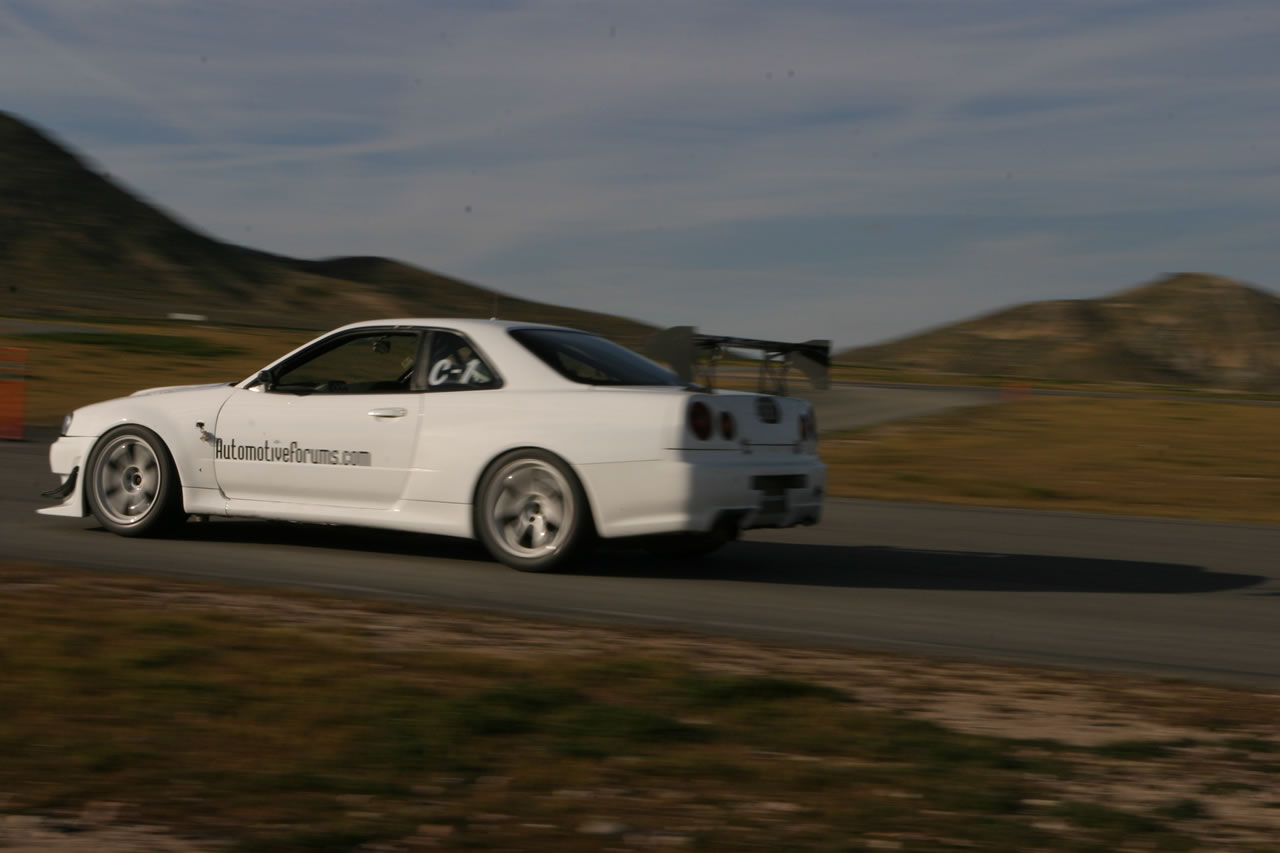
(694,356)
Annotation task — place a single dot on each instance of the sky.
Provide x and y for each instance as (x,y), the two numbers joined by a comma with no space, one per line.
(855,170)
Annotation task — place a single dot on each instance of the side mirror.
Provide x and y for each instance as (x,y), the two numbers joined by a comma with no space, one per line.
(263,380)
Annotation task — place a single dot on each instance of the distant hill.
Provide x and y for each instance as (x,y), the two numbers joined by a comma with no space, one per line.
(1186,329)
(72,242)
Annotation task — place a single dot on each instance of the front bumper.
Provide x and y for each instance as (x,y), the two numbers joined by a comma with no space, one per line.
(64,491)
(67,457)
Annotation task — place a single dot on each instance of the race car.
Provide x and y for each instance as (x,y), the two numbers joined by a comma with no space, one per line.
(536,440)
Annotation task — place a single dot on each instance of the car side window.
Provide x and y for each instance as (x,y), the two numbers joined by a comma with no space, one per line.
(374,363)
(454,365)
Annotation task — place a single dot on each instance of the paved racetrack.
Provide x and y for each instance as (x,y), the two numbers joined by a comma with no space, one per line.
(1187,600)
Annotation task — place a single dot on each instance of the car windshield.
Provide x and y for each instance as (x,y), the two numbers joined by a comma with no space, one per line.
(593,360)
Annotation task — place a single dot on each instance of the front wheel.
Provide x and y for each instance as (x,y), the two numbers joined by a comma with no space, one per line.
(132,483)
(531,512)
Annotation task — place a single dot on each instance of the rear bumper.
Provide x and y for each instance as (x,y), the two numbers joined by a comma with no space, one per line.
(67,456)
(704,490)
(777,493)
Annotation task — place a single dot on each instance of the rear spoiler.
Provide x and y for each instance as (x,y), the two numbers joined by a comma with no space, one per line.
(692,355)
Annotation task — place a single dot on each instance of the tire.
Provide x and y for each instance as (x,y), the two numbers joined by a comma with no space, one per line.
(531,512)
(132,483)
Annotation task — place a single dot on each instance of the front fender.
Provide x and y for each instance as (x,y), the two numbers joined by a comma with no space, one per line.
(175,417)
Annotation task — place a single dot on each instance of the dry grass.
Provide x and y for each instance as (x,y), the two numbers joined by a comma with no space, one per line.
(300,722)
(68,371)
(1022,385)
(1136,457)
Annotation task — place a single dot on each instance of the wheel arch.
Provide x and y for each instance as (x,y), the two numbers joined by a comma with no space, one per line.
(113,430)
(89,457)
(484,470)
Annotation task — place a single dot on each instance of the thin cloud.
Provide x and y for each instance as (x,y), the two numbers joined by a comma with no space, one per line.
(772,166)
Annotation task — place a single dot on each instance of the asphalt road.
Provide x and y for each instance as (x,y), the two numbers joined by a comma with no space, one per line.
(1187,600)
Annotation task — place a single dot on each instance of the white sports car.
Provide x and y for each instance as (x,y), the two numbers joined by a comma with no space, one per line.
(533,439)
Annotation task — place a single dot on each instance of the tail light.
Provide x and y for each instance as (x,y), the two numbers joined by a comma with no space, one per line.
(700,420)
(808,425)
(728,427)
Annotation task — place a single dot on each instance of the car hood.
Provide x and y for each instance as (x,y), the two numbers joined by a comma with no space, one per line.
(169,389)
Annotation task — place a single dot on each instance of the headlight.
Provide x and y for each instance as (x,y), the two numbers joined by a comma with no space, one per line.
(66,424)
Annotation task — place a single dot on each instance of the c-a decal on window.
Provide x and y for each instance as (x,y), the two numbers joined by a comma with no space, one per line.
(447,370)
(291,452)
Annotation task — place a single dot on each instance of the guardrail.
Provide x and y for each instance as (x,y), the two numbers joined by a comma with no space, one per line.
(13,391)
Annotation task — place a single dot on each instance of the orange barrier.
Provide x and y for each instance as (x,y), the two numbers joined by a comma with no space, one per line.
(1014,391)
(13,391)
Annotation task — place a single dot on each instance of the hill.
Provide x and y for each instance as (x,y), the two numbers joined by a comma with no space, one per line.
(72,242)
(1186,329)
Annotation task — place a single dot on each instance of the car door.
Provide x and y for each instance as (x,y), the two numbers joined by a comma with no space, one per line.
(336,425)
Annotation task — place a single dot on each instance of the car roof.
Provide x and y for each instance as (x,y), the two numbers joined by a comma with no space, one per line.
(461,324)
(520,368)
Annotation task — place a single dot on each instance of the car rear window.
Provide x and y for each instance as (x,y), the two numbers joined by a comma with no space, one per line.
(592,360)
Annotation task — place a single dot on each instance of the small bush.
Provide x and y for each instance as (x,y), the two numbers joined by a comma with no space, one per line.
(512,710)
(602,730)
(1091,816)
(1253,744)
(1134,750)
(1186,809)
(736,690)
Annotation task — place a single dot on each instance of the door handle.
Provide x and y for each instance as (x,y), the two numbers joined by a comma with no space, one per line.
(394,412)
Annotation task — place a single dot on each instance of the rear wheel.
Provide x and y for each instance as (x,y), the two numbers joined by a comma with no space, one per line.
(531,512)
(132,484)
